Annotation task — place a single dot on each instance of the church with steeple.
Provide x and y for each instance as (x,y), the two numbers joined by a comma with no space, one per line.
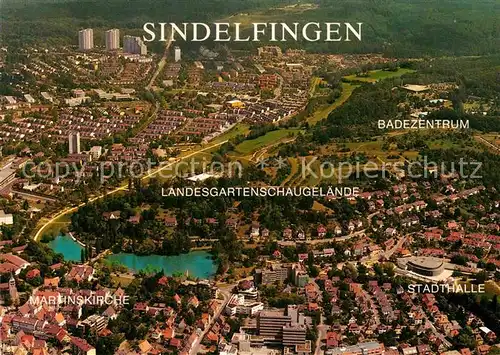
(9,287)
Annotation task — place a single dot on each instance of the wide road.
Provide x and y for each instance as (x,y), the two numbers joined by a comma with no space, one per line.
(226,292)
(196,346)
(322,330)
(124,187)
(161,63)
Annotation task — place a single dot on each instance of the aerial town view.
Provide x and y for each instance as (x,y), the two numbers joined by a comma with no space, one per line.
(254,177)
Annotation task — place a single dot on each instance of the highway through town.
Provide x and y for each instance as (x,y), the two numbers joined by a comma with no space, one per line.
(161,64)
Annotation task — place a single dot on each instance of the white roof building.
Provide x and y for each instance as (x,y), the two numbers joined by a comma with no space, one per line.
(29,99)
(6,219)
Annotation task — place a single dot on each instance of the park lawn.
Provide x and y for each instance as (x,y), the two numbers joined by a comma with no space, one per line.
(273,137)
(321,114)
(444,144)
(201,159)
(411,155)
(385,74)
(374,148)
(243,272)
(321,208)
(239,129)
(65,218)
(122,279)
(362,79)
(315,175)
(440,143)
(297,180)
(369,147)
(376,75)
(59,225)
(475,105)
(386,161)
(314,85)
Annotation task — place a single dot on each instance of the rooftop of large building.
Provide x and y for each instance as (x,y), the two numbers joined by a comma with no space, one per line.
(272,313)
(426,262)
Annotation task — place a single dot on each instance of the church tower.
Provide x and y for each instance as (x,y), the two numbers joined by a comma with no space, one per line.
(14,296)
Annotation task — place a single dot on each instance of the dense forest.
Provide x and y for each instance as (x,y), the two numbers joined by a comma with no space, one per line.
(359,115)
(475,80)
(478,76)
(152,235)
(395,27)
(56,22)
(406,29)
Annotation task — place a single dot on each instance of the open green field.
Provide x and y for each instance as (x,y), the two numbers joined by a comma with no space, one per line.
(239,129)
(250,146)
(376,75)
(448,144)
(319,207)
(441,144)
(122,280)
(321,114)
(314,85)
(370,146)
